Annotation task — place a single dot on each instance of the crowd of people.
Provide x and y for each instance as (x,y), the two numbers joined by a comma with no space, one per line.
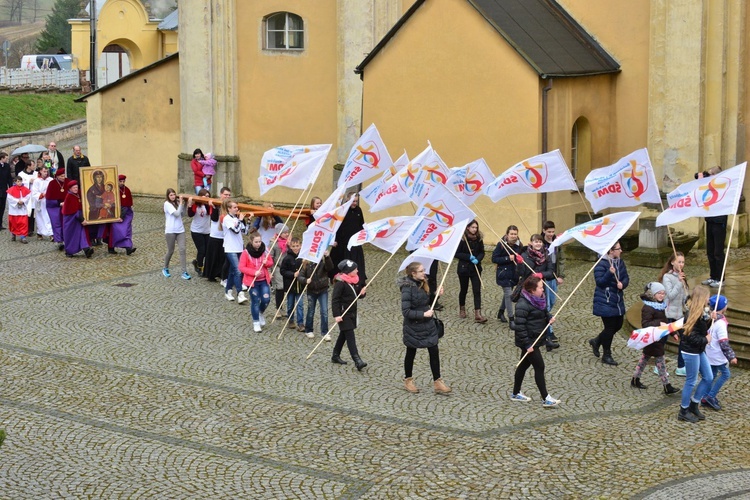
(43,198)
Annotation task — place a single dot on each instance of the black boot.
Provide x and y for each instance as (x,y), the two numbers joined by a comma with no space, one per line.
(551,345)
(607,359)
(358,362)
(88,252)
(129,251)
(693,408)
(336,358)
(501,316)
(636,382)
(594,343)
(111,251)
(686,415)
(668,389)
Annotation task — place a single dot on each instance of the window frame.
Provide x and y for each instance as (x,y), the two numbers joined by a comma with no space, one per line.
(287,32)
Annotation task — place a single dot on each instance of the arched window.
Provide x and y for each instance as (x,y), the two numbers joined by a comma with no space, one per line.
(580,149)
(284,31)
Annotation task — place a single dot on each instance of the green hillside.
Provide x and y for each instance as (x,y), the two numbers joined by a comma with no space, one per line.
(29,112)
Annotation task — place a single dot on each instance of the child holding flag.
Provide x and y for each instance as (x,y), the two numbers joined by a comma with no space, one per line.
(653,314)
(720,355)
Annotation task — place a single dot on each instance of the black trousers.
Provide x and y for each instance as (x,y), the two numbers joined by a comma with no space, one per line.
(716,233)
(612,325)
(432,280)
(3,202)
(411,353)
(351,342)
(534,359)
(476,290)
(200,241)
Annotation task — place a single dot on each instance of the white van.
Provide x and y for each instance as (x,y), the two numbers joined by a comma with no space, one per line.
(47,61)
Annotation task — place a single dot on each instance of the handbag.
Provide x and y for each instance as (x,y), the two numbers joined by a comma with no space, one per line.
(440,326)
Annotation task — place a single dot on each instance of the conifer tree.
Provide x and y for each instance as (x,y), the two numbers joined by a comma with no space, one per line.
(56,34)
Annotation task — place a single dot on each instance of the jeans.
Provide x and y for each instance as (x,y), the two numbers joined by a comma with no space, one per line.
(723,372)
(695,363)
(312,299)
(198,188)
(234,276)
(551,299)
(260,296)
(291,299)
(507,304)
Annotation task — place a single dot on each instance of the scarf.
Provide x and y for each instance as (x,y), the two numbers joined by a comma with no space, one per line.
(537,256)
(659,306)
(281,242)
(352,280)
(256,254)
(538,302)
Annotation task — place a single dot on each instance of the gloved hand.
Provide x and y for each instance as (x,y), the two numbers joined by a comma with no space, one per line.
(474,260)
(538,275)
(519,259)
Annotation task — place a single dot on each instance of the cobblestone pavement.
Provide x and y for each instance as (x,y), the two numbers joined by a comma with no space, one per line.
(118,382)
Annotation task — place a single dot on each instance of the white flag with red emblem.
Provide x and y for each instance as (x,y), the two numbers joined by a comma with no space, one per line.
(543,173)
(371,193)
(708,197)
(395,191)
(439,210)
(442,247)
(322,233)
(429,171)
(298,172)
(627,183)
(600,234)
(470,181)
(645,336)
(274,160)
(389,233)
(368,158)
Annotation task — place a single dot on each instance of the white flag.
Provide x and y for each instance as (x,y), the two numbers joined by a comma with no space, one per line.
(368,157)
(627,183)
(322,233)
(429,171)
(396,190)
(543,173)
(442,247)
(300,171)
(708,197)
(440,210)
(389,233)
(274,160)
(470,181)
(599,235)
(370,193)
(333,201)
(645,336)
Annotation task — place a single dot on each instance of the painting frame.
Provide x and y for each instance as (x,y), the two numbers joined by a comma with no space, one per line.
(100,204)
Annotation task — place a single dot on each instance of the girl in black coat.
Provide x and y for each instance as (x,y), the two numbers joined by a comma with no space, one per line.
(531,318)
(420,331)
(470,253)
(346,289)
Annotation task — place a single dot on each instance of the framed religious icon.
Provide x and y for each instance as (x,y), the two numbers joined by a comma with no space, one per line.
(100,194)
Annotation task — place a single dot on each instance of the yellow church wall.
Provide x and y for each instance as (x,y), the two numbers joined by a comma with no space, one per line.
(470,94)
(286,97)
(141,138)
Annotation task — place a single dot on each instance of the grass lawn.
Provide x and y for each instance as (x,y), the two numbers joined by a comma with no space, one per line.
(29,112)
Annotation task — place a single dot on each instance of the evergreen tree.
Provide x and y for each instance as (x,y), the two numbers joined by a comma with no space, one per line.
(56,33)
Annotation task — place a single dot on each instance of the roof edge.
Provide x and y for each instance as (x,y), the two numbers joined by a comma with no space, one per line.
(129,76)
(360,69)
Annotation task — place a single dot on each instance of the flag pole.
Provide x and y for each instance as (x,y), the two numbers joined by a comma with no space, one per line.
(726,259)
(475,266)
(562,307)
(586,207)
(350,305)
(294,309)
(437,294)
(276,236)
(669,231)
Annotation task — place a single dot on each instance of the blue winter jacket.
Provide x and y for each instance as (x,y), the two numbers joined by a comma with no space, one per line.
(608,300)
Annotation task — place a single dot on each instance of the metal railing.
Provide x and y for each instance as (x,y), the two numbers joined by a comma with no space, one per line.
(16,78)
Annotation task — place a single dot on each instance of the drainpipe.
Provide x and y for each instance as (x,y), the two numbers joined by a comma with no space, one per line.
(545,118)
(92,28)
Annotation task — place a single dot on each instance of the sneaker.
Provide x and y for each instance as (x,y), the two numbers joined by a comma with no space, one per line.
(195,265)
(310,335)
(680,372)
(711,402)
(520,398)
(550,402)
(716,284)
(223,283)
(229,296)
(186,276)
(706,282)
(242,298)
(262,320)
(165,272)
(327,337)
(256,327)
(656,371)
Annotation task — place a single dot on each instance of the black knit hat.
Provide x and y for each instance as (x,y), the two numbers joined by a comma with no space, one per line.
(346,266)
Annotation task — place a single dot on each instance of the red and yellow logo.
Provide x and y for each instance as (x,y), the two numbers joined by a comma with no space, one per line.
(440,214)
(713,192)
(533,176)
(367,155)
(600,229)
(635,180)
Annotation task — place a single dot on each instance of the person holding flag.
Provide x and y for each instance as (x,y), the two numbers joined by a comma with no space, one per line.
(653,314)
(694,338)
(716,233)
(470,253)
(611,277)
(420,330)
(346,292)
(352,223)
